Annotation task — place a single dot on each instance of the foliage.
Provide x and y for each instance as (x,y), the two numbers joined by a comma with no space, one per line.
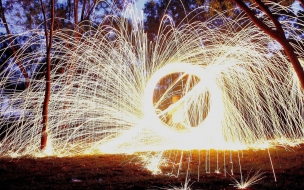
(180,12)
(184,11)
(27,14)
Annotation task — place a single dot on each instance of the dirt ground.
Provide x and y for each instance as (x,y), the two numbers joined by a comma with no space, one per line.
(126,172)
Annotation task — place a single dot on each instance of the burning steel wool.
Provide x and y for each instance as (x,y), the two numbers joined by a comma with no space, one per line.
(233,90)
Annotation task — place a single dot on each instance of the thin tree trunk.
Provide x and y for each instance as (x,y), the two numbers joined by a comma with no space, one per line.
(76,12)
(91,8)
(82,10)
(22,69)
(69,8)
(277,34)
(76,28)
(45,118)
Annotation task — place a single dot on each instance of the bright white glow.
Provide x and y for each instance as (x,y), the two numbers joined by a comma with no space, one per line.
(249,181)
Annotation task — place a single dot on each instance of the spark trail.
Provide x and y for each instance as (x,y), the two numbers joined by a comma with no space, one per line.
(237,90)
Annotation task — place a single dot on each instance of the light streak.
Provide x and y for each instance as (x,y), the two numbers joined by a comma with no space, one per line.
(103,90)
(245,184)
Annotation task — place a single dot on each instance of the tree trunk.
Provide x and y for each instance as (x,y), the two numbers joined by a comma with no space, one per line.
(82,10)
(277,34)
(45,118)
(76,12)
(23,71)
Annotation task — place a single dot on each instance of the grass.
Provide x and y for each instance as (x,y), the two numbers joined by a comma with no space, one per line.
(122,172)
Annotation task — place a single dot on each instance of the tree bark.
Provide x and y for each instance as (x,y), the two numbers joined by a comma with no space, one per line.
(49,38)
(82,10)
(76,12)
(91,8)
(277,34)
(22,69)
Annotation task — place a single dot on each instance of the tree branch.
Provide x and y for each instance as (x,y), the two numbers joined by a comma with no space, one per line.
(45,24)
(277,35)
(22,69)
(275,21)
(251,14)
